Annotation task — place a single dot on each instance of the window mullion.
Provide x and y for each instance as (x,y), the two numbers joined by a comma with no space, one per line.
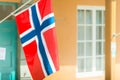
(94,40)
(102,36)
(85,40)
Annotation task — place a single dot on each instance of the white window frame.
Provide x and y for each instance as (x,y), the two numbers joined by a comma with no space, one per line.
(94,73)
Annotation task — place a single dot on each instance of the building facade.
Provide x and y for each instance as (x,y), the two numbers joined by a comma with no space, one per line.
(81,36)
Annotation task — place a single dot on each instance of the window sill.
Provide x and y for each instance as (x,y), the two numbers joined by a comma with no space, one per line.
(90,74)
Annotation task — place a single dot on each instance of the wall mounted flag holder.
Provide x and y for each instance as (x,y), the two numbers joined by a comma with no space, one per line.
(115,35)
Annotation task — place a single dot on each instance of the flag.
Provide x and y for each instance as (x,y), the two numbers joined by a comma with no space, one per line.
(36,27)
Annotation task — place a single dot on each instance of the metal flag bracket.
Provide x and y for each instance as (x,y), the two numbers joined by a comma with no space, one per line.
(14,12)
(115,35)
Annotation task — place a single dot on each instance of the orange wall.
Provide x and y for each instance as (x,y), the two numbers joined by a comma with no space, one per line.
(118,30)
(66,28)
(91,2)
(117,68)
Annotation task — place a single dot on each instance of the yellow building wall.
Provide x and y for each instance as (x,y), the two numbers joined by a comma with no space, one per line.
(66,28)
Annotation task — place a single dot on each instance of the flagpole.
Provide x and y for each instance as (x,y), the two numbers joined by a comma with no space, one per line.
(13,13)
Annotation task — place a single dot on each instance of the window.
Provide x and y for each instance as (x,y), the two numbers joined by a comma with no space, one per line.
(90,41)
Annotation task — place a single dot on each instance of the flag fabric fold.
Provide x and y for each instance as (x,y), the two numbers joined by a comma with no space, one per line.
(36,27)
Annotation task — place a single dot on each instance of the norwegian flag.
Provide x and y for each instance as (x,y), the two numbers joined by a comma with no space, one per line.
(36,27)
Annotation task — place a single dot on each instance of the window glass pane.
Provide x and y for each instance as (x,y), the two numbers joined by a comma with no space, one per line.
(99,63)
(81,65)
(88,64)
(80,16)
(99,17)
(99,48)
(81,33)
(103,17)
(88,17)
(89,49)
(5,10)
(80,49)
(103,64)
(103,48)
(99,32)
(103,33)
(88,33)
